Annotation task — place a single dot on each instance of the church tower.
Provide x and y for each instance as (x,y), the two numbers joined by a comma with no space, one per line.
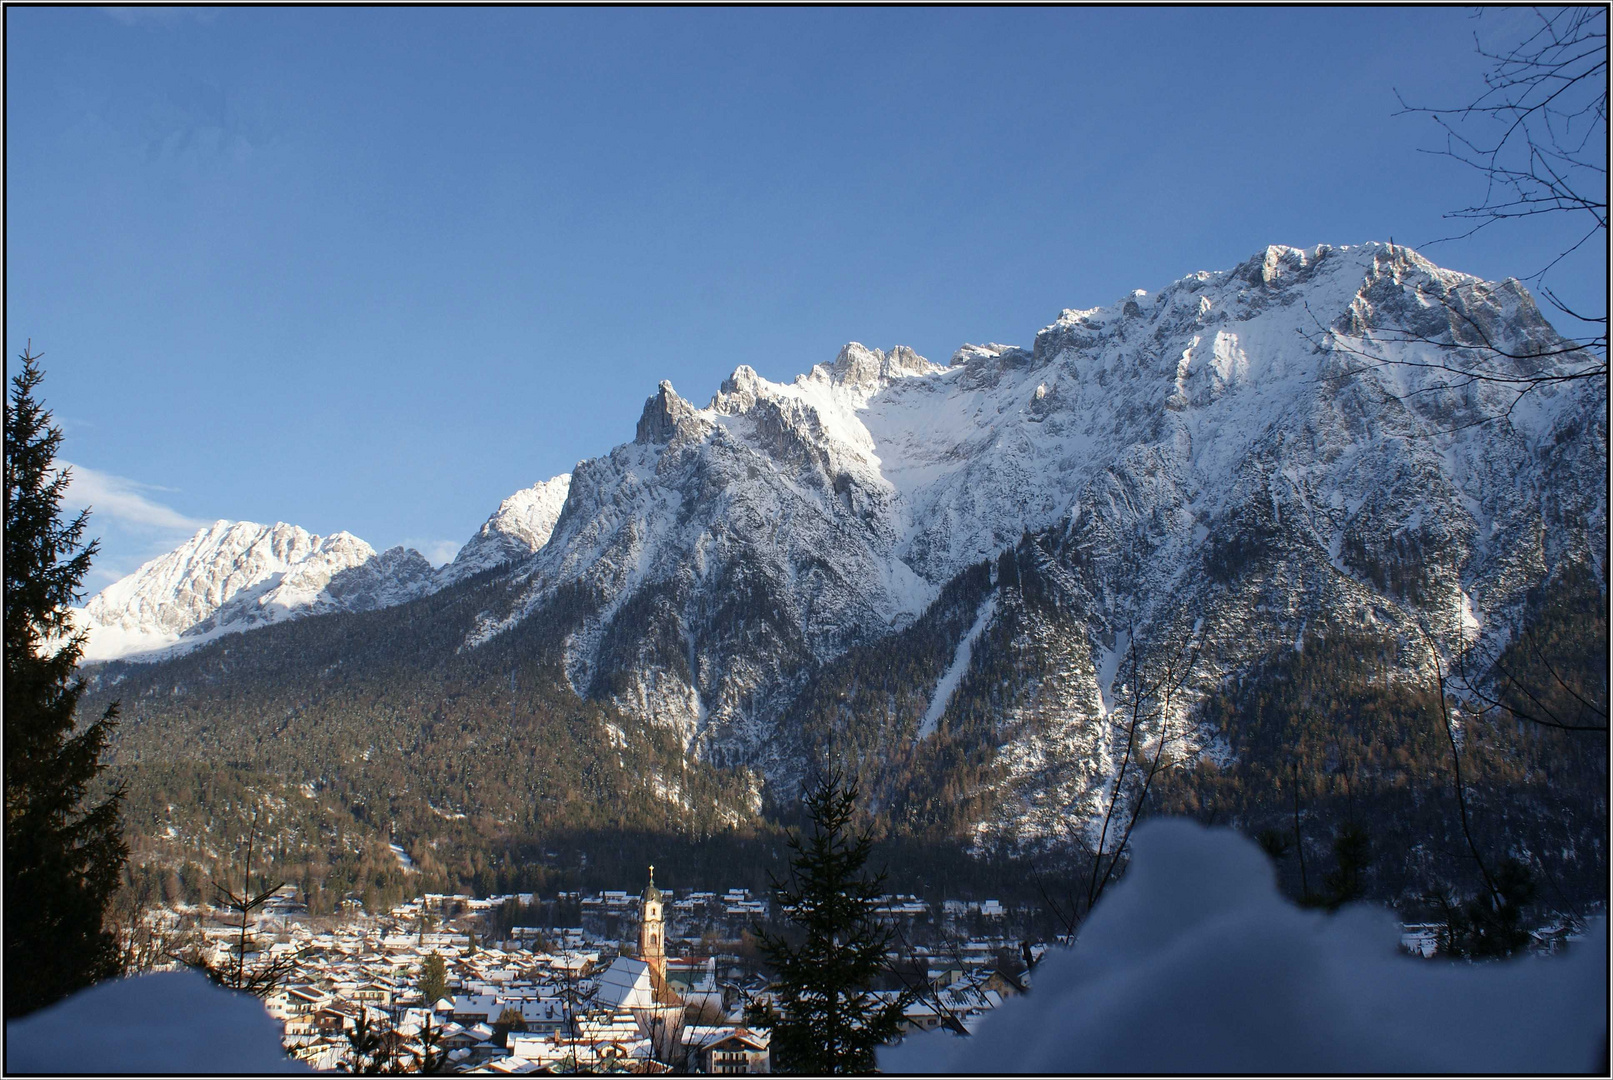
(652,934)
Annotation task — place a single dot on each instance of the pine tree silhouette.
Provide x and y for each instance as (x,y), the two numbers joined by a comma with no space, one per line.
(827,1021)
(62,860)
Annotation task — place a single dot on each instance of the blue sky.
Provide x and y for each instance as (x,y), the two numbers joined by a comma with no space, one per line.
(375,270)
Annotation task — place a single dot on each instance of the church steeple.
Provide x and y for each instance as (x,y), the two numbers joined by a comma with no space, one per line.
(652,932)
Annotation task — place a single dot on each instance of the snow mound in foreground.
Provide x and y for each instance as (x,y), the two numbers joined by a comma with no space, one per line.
(1195,963)
(165,1022)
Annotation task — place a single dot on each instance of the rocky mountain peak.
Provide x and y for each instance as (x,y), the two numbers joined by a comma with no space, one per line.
(860,367)
(1170,433)
(1251,460)
(519,527)
(665,416)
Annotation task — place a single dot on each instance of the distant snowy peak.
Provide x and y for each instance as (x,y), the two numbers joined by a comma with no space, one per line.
(520,526)
(234,576)
(238,575)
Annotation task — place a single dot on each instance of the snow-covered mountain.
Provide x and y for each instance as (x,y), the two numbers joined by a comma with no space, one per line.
(520,526)
(236,576)
(1247,451)
(894,553)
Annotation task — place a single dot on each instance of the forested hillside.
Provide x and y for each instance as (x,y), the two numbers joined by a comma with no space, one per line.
(345,733)
(352,730)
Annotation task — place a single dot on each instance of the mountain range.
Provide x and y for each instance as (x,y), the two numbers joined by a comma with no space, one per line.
(988,582)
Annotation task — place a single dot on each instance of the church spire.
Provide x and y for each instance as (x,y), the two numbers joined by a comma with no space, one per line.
(652,933)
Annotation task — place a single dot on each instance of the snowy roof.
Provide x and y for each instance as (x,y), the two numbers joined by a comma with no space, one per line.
(626,985)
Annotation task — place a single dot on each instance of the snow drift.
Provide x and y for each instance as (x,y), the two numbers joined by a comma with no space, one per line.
(165,1023)
(1195,963)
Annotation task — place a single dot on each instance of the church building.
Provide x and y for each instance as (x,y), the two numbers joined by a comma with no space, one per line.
(652,934)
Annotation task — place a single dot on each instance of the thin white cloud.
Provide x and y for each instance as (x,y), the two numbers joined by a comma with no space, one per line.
(119,498)
(437,552)
(99,578)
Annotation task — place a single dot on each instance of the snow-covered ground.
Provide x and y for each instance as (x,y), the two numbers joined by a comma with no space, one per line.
(1195,964)
(948,683)
(163,1024)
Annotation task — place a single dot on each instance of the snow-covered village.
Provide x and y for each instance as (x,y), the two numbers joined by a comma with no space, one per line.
(646,982)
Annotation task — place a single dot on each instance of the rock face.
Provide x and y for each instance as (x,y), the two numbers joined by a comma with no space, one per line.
(236,576)
(520,526)
(1245,457)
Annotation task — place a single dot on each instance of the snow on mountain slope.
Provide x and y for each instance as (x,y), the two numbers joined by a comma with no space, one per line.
(520,526)
(707,568)
(1245,460)
(235,576)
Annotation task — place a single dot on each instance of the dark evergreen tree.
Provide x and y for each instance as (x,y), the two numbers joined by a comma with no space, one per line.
(433,1061)
(433,980)
(827,1021)
(1490,926)
(63,860)
(1352,857)
(366,1046)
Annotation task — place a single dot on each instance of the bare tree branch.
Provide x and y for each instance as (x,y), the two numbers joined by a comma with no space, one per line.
(1162,692)
(1537,134)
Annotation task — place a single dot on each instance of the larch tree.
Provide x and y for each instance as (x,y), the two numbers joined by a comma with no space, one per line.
(63,858)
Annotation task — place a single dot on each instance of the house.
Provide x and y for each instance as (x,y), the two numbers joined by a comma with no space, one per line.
(1420,939)
(544,1014)
(373,993)
(596,1045)
(742,1051)
(284,903)
(693,973)
(333,1021)
(465,1039)
(301,1000)
(301,1029)
(326,1056)
(921,1016)
(1000,982)
(471,1009)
